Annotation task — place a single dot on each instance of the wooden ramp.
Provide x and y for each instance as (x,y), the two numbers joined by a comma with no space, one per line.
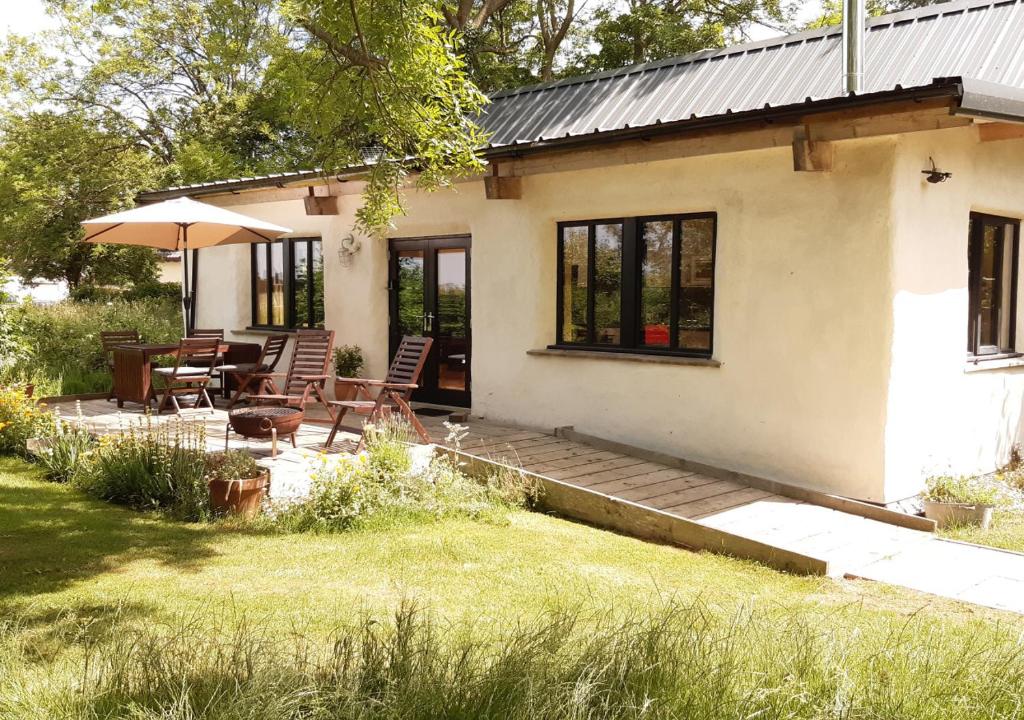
(670,500)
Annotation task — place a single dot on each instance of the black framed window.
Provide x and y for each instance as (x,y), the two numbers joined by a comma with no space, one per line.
(992,259)
(288,283)
(643,284)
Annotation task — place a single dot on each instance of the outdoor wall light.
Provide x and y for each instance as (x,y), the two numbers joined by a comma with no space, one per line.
(372,154)
(347,250)
(936,176)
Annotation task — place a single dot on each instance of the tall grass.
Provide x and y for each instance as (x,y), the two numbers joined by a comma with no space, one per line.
(150,466)
(59,346)
(677,662)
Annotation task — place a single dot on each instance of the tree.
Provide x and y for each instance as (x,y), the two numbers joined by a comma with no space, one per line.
(383,73)
(185,79)
(55,171)
(832,10)
(647,30)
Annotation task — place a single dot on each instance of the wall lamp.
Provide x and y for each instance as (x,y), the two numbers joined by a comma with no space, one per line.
(936,176)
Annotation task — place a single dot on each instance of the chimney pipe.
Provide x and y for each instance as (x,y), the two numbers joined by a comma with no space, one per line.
(853,45)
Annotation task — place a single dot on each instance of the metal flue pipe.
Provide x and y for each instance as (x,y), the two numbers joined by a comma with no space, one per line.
(854,20)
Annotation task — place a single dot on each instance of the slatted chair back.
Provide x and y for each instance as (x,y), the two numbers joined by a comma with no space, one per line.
(311,356)
(112,338)
(408,362)
(196,353)
(270,355)
(207,333)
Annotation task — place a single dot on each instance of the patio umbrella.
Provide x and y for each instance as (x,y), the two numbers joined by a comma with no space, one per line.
(180,224)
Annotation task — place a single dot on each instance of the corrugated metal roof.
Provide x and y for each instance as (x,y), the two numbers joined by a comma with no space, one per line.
(979,43)
(983,40)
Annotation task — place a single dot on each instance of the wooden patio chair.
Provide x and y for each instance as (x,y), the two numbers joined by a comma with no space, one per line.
(393,392)
(211,333)
(307,372)
(112,339)
(207,333)
(259,372)
(191,374)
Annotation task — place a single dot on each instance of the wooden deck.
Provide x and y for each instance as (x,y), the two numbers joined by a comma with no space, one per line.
(712,512)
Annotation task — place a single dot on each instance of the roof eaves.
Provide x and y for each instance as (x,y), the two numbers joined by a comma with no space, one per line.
(941,87)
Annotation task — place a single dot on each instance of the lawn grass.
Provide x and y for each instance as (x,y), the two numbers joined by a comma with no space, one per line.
(1006,532)
(75,573)
(61,550)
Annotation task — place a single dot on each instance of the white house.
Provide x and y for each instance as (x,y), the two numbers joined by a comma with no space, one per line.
(722,256)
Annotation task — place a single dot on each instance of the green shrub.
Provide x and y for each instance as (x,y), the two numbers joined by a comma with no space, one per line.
(66,451)
(960,489)
(348,361)
(59,348)
(21,418)
(151,467)
(383,487)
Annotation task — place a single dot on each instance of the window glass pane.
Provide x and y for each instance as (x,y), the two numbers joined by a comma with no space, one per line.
(277,284)
(410,292)
(300,282)
(574,284)
(988,303)
(1006,287)
(451,318)
(260,284)
(655,283)
(608,284)
(318,283)
(696,283)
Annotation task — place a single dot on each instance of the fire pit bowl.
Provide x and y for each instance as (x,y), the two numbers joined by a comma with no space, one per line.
(265,422)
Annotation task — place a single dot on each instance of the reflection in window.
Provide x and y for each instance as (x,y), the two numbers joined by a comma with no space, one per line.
(575,273)
(288,283)
(696,283)
(655,283)
(608,283)
(992,264)
(638,283)
(410,292)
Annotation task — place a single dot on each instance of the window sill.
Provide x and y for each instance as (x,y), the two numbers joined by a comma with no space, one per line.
(626,356)
(998,362)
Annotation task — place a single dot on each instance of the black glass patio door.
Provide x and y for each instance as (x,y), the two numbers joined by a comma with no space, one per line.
(429,284)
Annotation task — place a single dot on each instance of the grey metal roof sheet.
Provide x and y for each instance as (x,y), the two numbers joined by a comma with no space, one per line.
(979,43)
(980,39)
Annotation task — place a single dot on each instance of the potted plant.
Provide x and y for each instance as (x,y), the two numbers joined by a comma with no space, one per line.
(951,500)
(348,363)
(237,484)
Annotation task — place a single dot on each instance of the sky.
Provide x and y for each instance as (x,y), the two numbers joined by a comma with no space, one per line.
(22,16)
(27,16)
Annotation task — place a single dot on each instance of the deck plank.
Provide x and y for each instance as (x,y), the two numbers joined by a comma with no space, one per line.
(718,503)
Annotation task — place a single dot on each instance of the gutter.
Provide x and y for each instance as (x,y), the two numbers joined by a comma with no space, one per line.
(990,101)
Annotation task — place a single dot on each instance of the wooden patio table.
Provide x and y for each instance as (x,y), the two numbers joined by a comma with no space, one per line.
(133,367)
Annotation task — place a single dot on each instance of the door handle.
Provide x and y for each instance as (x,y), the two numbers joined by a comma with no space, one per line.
(428,322)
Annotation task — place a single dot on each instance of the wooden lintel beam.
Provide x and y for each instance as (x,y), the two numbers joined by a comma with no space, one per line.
(503,187)
(810,155)
(990,132)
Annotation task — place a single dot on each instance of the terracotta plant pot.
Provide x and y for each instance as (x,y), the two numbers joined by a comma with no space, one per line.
(344,391)
(239,497)
(951,514)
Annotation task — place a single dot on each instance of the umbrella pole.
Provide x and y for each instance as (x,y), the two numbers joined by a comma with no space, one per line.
(186,297)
